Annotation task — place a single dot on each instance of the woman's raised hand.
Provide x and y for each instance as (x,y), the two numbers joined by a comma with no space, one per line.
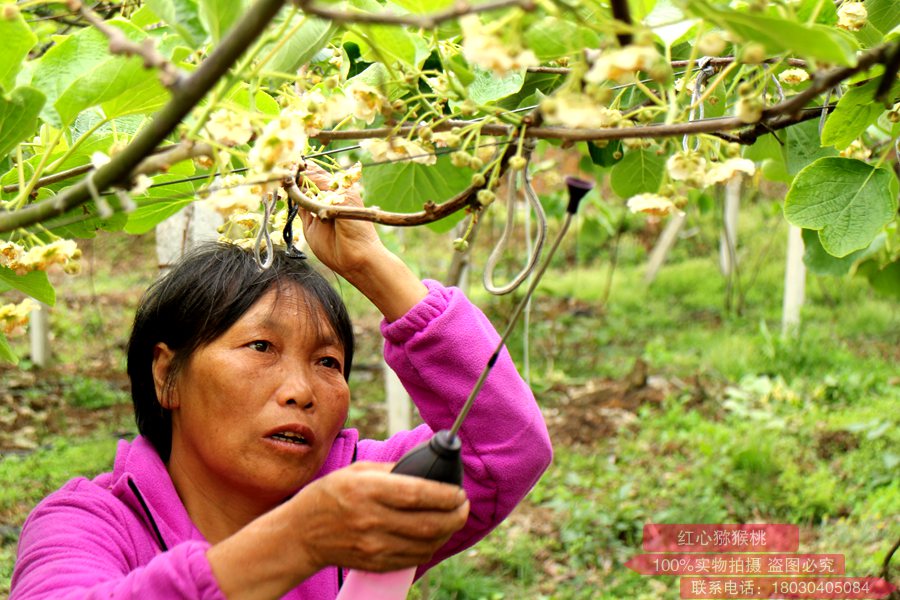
(352,249)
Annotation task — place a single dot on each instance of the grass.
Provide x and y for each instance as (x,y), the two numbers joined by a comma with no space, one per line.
(754,427)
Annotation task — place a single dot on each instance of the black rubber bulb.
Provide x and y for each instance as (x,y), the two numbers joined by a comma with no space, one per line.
(437,459)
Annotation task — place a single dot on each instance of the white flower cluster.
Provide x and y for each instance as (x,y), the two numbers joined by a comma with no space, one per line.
(483,45)
(578,111)
(399,148)
(620,66)
(41,257)
(651,204)
(852,16)
(14,317)
(793,76)
(692,169)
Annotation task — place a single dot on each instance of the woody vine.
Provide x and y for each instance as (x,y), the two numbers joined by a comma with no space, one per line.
(115,115)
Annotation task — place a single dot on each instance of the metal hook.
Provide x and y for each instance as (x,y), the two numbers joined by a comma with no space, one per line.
(268,207)
(706,70)
(535,204)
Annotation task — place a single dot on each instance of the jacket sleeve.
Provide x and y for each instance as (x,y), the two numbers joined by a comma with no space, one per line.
(438,350)
(75,545)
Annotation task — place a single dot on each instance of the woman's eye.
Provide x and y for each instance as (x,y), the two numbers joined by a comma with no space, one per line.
(259,345)
(330,362)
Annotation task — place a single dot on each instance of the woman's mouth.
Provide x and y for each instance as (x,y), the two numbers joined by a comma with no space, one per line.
(290,437)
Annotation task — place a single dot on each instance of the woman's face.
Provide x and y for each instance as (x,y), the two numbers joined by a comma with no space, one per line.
(257,409)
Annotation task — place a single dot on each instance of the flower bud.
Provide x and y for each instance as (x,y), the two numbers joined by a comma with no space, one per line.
(517,163)
(460,245)
(753,53)
(485,197)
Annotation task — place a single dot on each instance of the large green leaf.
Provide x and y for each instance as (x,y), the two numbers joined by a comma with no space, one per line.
(854,113)
(34,283)
(803,146)
(80,70)
(639,172)
(884,15)
(390,45)
(17,41)
(161,202)
(217,16)
(18,117)
(768,152)
(107,81)
(488,87)
(552,37)
(819,262)
(779,35)
(145,98)
(846,200)
(886,280)
(307,40)
(183,16)
(406,186)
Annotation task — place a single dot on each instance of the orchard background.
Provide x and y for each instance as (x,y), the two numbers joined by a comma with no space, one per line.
(718,134)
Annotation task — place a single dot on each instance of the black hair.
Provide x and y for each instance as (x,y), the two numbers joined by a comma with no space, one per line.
(204,294)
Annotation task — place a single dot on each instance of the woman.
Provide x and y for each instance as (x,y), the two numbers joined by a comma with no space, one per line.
(242,483)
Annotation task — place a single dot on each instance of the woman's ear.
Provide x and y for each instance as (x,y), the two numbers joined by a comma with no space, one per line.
(162,362)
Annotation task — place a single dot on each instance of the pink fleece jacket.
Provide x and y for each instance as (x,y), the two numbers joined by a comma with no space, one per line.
(126,534)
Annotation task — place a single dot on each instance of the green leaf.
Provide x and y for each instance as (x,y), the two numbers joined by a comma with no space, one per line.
(854,113)
(406,186)
(80,70)
(639,171)
(18,117)
(6,353)
(767,151)
(846,200)
(884,15)
(107,81)
(262,102)
(33,283)
(826,13)
(161,202)
(668,22)
(605,156)
(885,281)
(488,87)
(151,213)
(183,16)
(819,262)
(552,37)
(17,41)
(422,7)
(780,35)
(383,43)
(803,147)
(307,40)
(145,98)
(217,16)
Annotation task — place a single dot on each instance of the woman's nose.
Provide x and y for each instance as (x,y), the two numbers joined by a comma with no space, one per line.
(296,391)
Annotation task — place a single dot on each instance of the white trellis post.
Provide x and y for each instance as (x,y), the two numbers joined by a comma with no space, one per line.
(663,246)
(39,335)
(794,282)
(728,240)
(184,230)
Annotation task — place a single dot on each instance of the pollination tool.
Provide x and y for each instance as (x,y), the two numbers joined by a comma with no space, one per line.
(439,458)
